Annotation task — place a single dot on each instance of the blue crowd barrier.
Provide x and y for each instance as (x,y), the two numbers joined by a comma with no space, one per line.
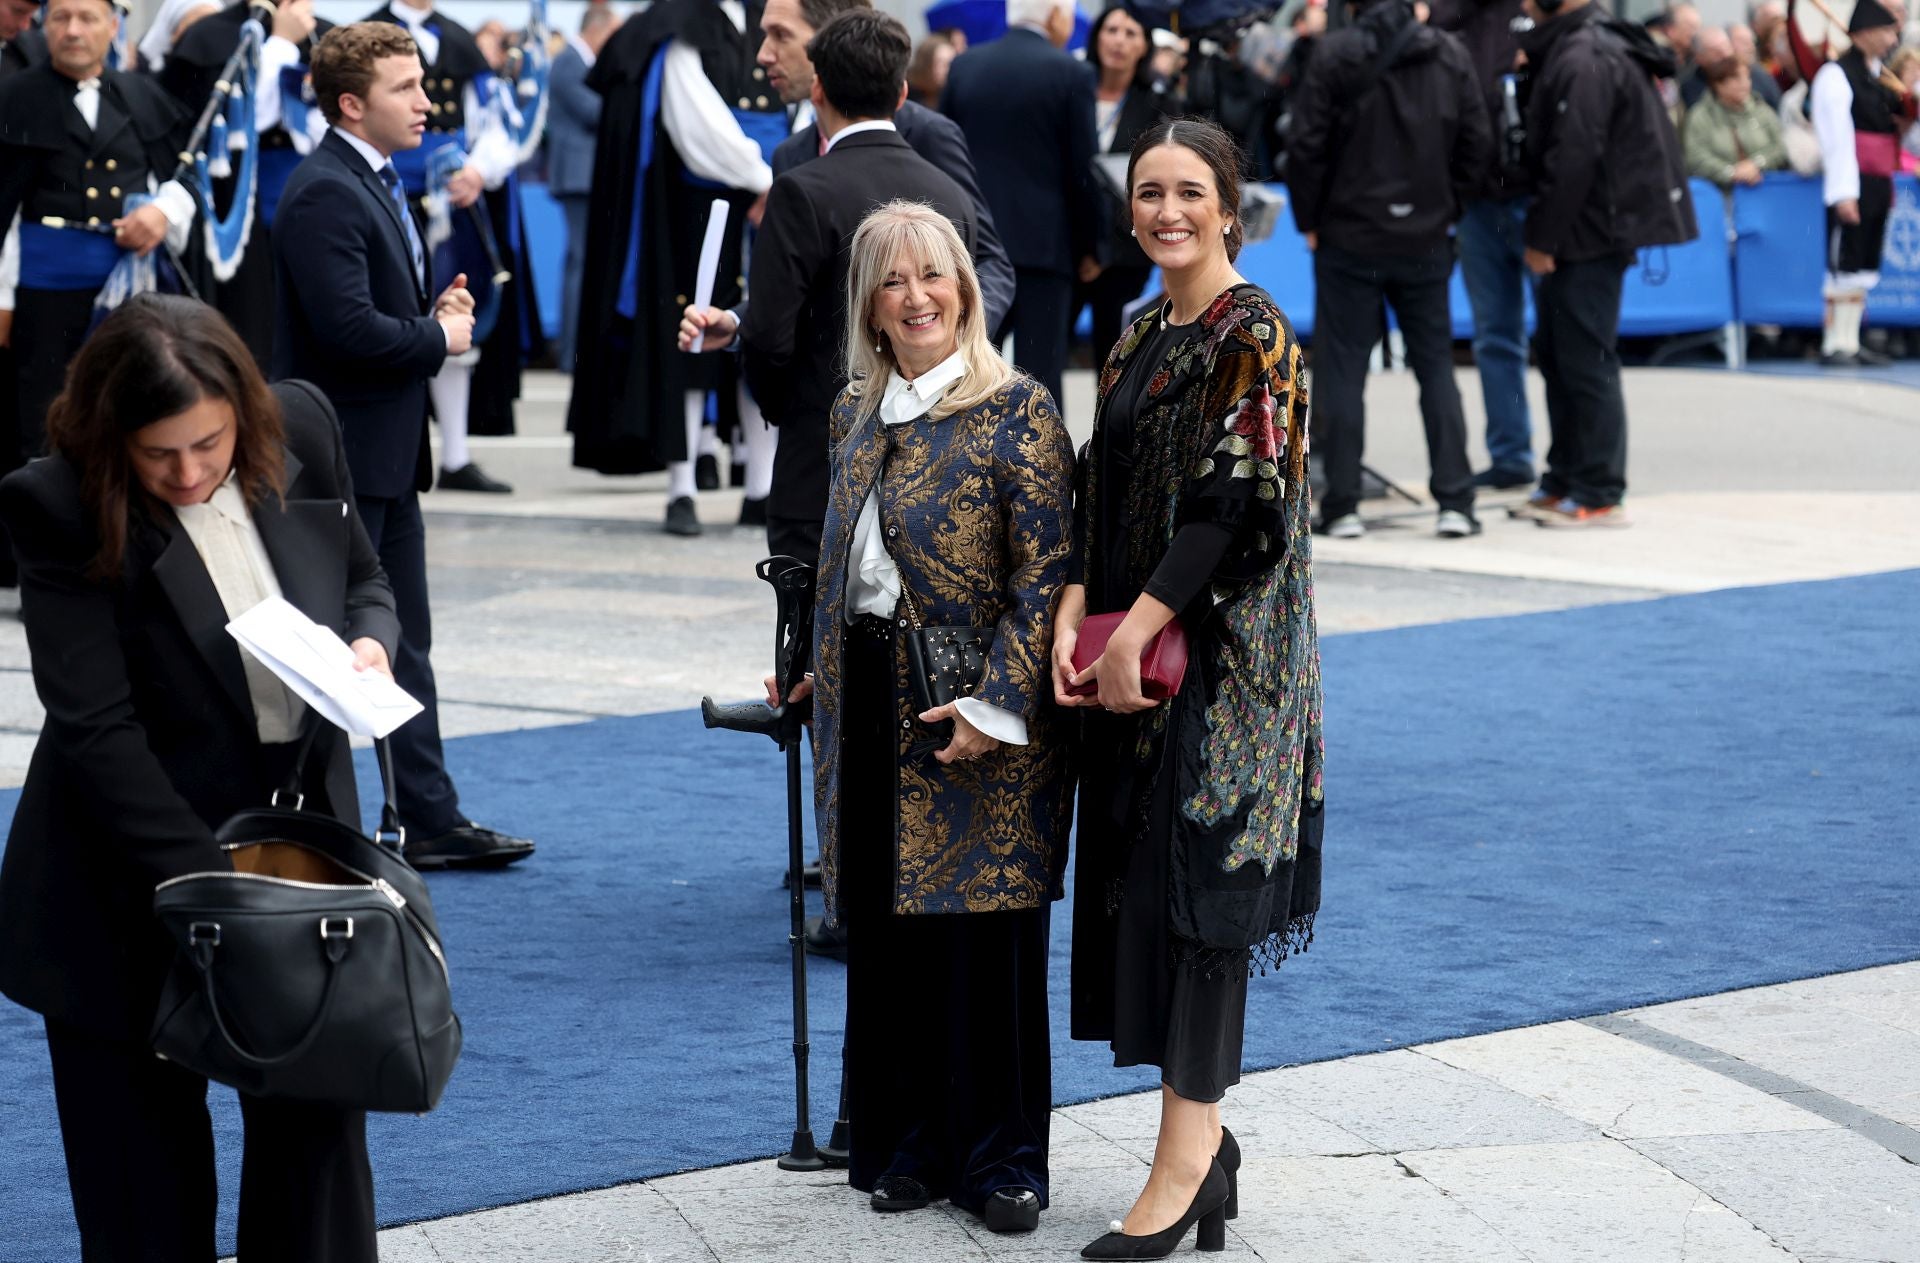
(546,250)
(1779,259)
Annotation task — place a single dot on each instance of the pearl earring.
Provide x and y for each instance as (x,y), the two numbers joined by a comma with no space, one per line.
(1133,232)
(1226,230)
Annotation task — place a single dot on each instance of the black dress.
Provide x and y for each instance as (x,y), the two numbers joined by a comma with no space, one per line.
(1134,985)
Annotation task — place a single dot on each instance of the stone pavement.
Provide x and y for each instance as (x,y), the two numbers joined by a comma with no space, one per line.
(1773,1124)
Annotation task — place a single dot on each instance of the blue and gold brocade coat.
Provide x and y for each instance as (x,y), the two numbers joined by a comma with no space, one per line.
(976,507)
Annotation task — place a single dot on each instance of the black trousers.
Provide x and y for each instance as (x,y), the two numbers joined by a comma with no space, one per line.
(1042,325)
(949,1066)
(429,805)
(1109,295)
(1856,247)
(1348,289)
(49,327)
(139,1148)
(796,537)
(1577,345)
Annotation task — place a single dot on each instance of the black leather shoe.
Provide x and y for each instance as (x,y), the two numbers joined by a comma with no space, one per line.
(681,519)
(470,477)
(753,512)
(737,475)
(894,1193)
(706,473)
(809,878)
(822,940)
(1013,1210)
(1503,479)
(467,846)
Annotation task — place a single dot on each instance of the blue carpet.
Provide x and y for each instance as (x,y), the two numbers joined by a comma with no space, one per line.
(1530,819)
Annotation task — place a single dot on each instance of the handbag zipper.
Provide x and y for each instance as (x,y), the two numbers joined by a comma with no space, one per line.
(380,884)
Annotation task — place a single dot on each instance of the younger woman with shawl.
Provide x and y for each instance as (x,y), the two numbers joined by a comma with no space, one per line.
(1199,829)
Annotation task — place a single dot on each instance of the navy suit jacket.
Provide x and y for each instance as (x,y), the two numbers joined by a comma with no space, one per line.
(573,119)
(351,318)
(1026,109)
(938,139)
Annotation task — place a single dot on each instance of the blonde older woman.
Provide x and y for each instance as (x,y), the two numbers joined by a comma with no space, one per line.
(944,831)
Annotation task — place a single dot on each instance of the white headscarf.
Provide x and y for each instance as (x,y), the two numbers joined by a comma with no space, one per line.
(158,41)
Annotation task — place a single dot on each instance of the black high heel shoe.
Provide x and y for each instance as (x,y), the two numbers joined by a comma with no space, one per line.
(1229,1160)
(1209,1210)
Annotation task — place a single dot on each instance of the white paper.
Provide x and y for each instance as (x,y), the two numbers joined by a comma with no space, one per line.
(709,264)
(318,665)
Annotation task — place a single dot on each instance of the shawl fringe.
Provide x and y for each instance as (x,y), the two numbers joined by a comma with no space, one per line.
(1269,953)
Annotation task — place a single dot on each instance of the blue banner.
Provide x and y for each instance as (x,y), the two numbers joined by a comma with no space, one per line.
(1779,263)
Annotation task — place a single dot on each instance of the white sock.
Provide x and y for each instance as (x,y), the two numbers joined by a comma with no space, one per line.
(680,472)
(450,390)
(1830,328)
(762,441)
(709,436)
(1847,312)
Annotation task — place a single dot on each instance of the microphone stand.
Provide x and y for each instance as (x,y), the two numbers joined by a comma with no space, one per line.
(792,582)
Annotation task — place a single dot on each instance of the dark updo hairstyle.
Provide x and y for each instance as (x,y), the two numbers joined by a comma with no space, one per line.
(153,358)
(1216,147)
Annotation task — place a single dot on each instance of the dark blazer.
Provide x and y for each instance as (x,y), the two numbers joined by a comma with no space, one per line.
(795,345)
(1026,109)
(150,739)
(350,317)
(573,119)
(938,139)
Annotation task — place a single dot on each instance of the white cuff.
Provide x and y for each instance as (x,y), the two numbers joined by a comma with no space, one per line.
(179,207)
(1002,725)
(275,55)
(10,264)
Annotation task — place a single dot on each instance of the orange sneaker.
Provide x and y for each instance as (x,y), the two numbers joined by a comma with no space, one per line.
(1570,512)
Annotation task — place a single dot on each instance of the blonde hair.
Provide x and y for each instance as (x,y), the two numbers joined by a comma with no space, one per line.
(926,236)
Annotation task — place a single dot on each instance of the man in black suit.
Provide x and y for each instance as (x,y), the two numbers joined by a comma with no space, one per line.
(355,318)
(1027,111)
(20,45)
(794,342)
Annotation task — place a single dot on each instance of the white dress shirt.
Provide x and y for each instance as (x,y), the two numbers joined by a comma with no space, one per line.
(1830,101)
(230,547)
(854,129)
(703,130)
(873,580)
(173,200)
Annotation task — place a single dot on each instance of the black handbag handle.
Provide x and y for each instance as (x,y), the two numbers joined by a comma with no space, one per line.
(336,949)
(390,834)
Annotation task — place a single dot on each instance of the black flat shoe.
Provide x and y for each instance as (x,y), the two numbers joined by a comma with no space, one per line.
(823,940)
(681,519)
(1209,1210)
(753,512)
(1503,479)
(1229,1160)
(467,846)
(895,1193)
(1012,1210)
(706,473)
(470,477)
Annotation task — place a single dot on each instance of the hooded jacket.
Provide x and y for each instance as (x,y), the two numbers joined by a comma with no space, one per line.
(1606,166)
(1382,169)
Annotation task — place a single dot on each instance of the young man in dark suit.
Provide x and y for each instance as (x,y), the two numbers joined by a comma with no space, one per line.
(1026,108)
(355,318)
(20,45)
(794,340)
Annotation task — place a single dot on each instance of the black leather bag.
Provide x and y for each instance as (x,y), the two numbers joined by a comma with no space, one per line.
(313,971)
(944,664)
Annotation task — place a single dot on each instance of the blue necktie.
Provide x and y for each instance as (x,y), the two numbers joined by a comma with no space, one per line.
(391,179)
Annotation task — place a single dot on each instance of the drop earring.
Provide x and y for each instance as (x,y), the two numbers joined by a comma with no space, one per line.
(1133,232)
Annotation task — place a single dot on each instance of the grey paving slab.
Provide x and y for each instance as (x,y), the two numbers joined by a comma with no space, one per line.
(1846,1055)
(773,1225)
(1262,1118)
(1595,1201)
(1827,1193)
(630,1224)
(1889,996)
(1403,1100)
(1624,1088)
(1363,1209)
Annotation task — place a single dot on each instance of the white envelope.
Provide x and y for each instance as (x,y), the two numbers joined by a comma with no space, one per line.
(318,665)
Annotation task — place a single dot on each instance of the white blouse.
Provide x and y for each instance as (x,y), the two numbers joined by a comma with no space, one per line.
(229,544)
(873,580)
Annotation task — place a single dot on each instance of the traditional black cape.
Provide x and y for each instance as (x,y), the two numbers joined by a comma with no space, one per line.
(629,378)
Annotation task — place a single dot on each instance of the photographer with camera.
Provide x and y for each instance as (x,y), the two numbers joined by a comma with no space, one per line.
(1387,129)
(1491,222)
(1608,179)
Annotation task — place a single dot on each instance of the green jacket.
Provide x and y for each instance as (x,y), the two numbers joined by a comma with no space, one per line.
(1717,138)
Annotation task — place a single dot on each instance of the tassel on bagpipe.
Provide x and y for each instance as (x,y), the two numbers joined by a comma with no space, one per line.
(229,123)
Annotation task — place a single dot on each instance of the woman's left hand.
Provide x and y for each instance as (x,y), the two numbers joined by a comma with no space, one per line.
(968,742)
(1117,672)
(370,655)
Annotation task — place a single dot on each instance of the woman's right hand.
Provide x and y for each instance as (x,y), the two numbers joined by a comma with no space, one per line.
(800,693)
(1066,635)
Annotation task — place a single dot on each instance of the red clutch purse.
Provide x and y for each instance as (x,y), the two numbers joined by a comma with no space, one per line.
(1163,664)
